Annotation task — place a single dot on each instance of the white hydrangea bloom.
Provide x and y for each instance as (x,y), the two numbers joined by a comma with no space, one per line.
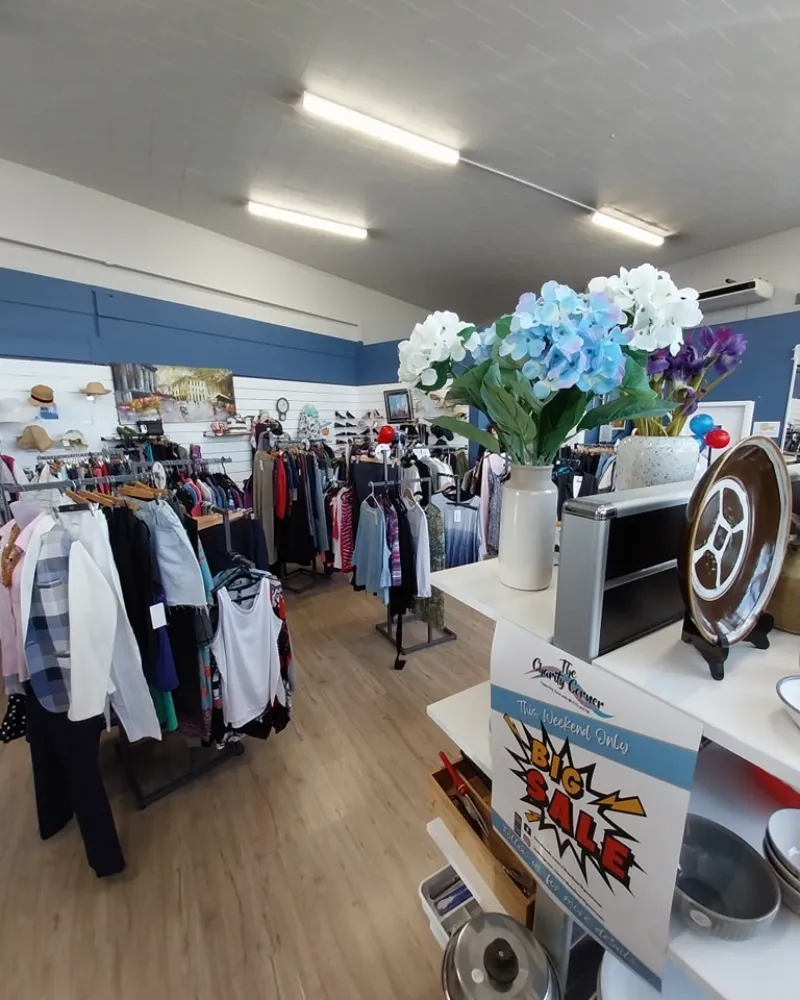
(435,340)
(659,310)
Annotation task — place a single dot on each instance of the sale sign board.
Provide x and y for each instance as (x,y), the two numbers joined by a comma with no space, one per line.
(590,786)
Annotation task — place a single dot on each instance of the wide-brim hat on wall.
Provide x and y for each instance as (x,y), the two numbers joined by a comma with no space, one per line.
(95,389)
(12,412)
(41,395)
(35,438)
(74,439)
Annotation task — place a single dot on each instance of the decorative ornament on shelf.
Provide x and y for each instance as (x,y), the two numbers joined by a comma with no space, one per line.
(683,378)
(562,361)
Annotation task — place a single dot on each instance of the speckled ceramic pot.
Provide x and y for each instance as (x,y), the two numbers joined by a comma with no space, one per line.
(653,461)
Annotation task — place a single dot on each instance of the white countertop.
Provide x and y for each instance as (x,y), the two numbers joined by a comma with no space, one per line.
(742,712)
(479,587)
(465,719)
(766,966)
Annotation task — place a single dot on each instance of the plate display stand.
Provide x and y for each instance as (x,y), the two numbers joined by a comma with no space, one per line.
(715,654)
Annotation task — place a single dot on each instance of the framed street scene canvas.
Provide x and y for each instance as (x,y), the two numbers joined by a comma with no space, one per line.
(398,406)
(172,394)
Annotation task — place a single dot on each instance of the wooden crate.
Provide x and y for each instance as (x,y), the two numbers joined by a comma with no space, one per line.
(488,856)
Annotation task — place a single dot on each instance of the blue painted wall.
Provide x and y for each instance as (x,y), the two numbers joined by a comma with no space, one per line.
(765,374)
(377,363)
(50,319)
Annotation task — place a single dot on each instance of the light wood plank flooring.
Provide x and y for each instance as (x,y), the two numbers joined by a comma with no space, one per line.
(289,874)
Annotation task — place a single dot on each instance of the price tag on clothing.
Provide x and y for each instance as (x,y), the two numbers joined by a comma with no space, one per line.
(158,615)
(576,485)
(456,515)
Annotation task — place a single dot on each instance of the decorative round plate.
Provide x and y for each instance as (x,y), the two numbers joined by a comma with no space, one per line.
(737,530)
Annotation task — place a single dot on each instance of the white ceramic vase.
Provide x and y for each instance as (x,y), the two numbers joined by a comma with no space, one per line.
(528,528)
(653,461)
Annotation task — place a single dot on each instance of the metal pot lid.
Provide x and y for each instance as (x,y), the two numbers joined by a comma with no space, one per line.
(494,955)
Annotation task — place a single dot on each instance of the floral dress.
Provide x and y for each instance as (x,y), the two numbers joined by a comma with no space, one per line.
(431,609)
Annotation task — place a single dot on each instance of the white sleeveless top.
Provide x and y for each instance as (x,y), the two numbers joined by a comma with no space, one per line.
(245,647)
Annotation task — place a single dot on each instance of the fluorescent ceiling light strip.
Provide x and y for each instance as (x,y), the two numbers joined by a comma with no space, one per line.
(307,221)
(629,229)
(347,118)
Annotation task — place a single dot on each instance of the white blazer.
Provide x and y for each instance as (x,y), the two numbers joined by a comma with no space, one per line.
(92,623)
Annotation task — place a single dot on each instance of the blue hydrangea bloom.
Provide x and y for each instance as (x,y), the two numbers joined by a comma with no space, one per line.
(481,342)
(567,339)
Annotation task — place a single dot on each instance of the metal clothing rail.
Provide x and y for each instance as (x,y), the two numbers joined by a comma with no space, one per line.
(178,463)
(8,489)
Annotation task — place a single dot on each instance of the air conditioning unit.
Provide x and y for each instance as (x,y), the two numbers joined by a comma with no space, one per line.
(736,293)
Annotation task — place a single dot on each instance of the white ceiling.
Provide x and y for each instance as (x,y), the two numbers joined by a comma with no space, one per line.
(684,112)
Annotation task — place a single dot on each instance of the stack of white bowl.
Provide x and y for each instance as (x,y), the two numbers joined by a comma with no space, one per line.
(782,850)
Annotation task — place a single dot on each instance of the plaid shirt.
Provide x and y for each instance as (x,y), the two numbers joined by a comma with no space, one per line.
(47,648)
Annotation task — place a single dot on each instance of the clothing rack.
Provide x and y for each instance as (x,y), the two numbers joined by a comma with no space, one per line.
(124,748)
(386,628)
(182,463)
(213,758)
(7,489)
(96,453)
(307,571)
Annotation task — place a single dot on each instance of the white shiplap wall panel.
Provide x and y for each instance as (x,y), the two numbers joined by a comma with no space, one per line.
(94,420)
(256,394)
(372,399)
(99,419)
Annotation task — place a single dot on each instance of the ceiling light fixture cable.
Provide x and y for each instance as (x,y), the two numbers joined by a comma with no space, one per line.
(606,218)
(528,184)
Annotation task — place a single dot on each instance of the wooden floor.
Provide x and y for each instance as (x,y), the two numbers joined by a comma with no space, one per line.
(290,873)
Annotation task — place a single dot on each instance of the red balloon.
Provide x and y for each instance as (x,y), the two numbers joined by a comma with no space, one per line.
(718,438)
(386,434)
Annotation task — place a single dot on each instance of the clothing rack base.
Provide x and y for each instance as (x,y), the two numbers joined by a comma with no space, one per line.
(386,629)
(310,572)
(212,760)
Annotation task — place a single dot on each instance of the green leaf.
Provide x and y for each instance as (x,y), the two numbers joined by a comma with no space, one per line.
(467,387)
(468,430)
(515,382)
(516,427)
(624,408)
(635,381)
(502,326)
(560,414)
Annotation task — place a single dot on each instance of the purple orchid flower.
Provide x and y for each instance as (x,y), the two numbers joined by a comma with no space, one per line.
(659,361)
(723,348)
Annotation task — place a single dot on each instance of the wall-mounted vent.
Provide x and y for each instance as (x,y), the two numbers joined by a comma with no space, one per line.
(737,293)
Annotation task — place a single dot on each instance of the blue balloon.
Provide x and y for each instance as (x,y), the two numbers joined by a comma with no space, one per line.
(701,424)
(700,439)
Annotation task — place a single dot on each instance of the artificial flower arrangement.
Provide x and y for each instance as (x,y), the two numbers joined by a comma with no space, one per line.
(705,358)
(539,373)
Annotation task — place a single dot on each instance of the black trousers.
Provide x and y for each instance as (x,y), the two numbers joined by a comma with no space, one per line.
(67,782)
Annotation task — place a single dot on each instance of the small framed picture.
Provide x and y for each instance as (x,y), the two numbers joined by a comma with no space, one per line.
(398,406)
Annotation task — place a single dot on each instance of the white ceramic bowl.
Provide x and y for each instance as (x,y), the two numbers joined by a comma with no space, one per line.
(789,693)
(790,894)
(780,869)
(783,831)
